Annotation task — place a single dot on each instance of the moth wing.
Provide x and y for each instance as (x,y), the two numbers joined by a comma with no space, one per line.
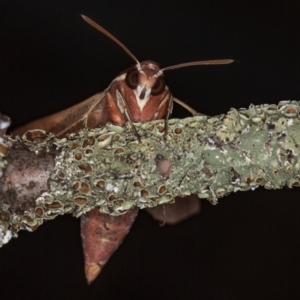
(182,209)
(71,118)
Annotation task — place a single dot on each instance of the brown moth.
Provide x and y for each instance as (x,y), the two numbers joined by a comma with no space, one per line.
(138,94)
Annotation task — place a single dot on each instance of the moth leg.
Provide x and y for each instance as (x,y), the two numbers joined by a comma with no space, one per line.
(188,108)
(169,98)
(122,101)
(175,213)
(164,216)
(169,111)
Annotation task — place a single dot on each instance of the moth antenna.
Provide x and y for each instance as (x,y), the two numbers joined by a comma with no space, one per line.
(104,31)
(200,63)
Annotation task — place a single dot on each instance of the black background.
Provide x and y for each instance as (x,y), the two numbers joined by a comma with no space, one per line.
(246,247)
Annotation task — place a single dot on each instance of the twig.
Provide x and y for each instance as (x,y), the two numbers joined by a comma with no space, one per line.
(109,169)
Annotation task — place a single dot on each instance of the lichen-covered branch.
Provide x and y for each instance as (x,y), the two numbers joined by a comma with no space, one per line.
(109,168)
(4,124)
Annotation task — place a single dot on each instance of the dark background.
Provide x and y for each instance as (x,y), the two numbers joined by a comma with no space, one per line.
(246,247)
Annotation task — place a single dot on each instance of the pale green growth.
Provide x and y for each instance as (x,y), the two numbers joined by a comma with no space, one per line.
(209,156)
(3,163)
(4,124)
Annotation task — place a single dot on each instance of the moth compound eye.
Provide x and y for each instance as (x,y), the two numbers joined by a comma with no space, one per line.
(158,87)
(132,79)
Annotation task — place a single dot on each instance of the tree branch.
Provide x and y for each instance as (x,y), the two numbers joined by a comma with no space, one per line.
(108,168)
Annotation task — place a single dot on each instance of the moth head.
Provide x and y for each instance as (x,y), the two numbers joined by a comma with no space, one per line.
(145,79)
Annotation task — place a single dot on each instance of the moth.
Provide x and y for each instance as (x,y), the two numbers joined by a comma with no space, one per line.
(138,94)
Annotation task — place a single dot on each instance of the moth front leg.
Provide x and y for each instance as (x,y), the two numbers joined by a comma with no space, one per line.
(119,111)
(169,100)
(124,107)
(177,212)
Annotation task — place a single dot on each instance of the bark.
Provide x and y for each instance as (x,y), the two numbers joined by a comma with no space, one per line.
(108,168)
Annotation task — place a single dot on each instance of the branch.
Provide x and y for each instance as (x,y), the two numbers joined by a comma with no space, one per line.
(108,168)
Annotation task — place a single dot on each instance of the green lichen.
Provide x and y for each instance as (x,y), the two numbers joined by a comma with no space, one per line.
(4,124)
(110,169)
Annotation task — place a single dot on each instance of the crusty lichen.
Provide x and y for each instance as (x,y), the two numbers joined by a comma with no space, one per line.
(4,124)
(209,156)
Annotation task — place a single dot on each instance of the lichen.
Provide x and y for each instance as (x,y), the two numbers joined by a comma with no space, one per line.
(111,169)
(4,124)
(5,236)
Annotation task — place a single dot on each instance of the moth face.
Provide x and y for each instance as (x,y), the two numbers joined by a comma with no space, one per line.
(145,79)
